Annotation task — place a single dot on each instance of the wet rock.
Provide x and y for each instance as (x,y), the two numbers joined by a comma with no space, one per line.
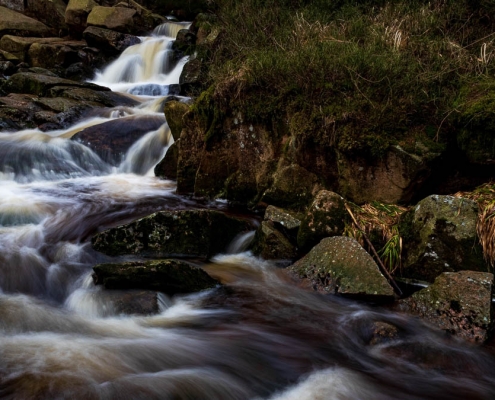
(340,265)
(184,40)
(284,221)
(135,302)
(325,217)
(457,302)
(191,76)
(440,236)
(115,18)
(167,167)
(76,14)
(271,244)
(90,97)
(292,186)
(394,178)
(383,333)
(111,140)
(14,23)
(153,89)
(106,39)
(40,84)
(198,233)
(168,276)
(174,112)
(17,111)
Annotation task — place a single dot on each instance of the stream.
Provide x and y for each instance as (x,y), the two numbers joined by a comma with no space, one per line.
(258,337)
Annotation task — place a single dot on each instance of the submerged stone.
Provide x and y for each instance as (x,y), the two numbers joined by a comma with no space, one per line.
(440,236)
(167,276)
(340,265)
(459,303)
(196,233)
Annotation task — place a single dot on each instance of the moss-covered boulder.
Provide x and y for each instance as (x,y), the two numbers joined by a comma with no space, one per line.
(195,233)
(115,18)
(326,216)
(271,244)
(459,303)
(340,265)
(15,23)
(440,236)
(174,112)
(168,276)
(76,14)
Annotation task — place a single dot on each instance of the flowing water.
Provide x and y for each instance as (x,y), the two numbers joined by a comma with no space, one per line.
(257,337)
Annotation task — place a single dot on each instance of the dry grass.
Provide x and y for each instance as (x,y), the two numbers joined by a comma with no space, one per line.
(378,219)
(484,195)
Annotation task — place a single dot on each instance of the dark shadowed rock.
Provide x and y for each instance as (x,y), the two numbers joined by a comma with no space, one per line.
(457,302)
(111,140)
(92,97)
(284,221)
(440,236)
(114,42)
(271,244)
(325,217)
(340,265)
(198,233)
(167,167)
(168,276)
(50,12)
(15,23)
(76,14)
(133,302)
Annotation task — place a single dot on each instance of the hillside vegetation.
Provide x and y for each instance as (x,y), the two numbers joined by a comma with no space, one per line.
(358,75)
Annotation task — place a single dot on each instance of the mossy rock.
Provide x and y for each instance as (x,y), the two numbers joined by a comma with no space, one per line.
(440,236)
(168,276)
(459,303)
(194,233)
(326,216)
(174,111)
(271,244)
(115,18)
(340,265)
(167,167)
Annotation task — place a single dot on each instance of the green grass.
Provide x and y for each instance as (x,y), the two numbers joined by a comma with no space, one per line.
(361,76)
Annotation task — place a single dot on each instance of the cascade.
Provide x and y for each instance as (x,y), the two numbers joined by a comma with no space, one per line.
(259,338)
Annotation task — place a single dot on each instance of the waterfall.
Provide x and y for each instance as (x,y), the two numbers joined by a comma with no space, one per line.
(257,337)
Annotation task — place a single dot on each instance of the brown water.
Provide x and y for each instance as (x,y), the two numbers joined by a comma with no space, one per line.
(257,337)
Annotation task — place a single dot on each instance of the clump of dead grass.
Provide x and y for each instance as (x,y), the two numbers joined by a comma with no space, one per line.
(379,220)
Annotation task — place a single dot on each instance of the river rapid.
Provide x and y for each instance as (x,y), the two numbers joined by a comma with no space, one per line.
(258,337)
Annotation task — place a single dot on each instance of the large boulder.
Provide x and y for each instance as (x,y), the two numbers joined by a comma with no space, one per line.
(14,23)
(459,303)
(168,276)
(111,140)
(76,14)
(115,18)
(196,233)
(108,40)
(440,236)
(326,216)
(19,46)
(56,54)
(340,265)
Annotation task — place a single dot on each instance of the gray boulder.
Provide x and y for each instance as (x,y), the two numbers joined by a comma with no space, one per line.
(458,302)
(440,236)
(340,265)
